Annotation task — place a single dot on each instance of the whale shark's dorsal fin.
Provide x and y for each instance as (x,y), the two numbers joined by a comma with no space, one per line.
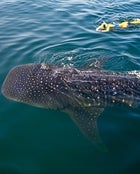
(86,119)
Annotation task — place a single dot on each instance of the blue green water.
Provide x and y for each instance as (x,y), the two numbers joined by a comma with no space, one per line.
(39,141)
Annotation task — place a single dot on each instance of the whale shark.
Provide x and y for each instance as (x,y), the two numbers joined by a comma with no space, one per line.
(81,93)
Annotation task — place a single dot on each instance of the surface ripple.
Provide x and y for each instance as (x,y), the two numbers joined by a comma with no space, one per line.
(64,32)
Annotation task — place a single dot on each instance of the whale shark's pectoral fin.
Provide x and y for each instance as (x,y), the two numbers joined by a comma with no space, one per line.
(86,120)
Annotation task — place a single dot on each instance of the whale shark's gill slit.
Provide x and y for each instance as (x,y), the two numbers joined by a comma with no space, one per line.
(134,90)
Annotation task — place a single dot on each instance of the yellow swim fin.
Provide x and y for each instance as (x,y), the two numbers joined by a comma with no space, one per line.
(135,21)
(123,24)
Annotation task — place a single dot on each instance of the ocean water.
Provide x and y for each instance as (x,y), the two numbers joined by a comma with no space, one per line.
(40,141)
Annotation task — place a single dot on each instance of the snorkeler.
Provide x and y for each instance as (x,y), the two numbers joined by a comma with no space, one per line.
(104,27)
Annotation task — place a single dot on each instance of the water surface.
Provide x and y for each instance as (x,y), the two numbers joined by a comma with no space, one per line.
(39,141)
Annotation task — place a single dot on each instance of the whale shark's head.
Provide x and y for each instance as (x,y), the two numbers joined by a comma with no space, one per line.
(31,84)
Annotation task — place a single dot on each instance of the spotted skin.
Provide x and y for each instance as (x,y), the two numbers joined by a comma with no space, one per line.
(82,94)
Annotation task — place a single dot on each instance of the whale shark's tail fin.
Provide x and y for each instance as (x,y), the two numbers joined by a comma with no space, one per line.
(86,119)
